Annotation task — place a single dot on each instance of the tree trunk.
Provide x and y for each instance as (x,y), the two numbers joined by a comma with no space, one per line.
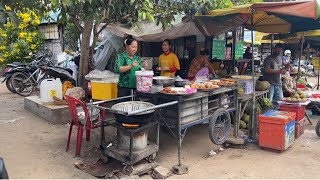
(85,53)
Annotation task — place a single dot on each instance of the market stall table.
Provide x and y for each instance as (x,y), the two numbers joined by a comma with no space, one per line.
(243,103)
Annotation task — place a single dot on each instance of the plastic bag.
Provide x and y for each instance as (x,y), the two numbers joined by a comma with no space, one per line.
(106,76)
(66,85)
(76,92)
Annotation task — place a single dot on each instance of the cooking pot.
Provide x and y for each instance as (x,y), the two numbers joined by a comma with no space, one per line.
(163,81)
(181,82)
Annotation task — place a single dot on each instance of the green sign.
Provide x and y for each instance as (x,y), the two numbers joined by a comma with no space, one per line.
(218,48)
(239,50)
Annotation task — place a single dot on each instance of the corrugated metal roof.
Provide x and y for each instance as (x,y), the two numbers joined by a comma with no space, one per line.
(52,18)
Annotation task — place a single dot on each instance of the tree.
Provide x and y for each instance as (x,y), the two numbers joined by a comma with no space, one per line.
(16,42)
(71,36)
(94,15)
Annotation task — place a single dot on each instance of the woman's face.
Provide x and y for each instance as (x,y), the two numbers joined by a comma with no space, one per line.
(165,46)
(132,49)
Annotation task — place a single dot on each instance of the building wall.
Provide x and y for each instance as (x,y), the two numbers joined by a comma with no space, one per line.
(54,47)
(53,44)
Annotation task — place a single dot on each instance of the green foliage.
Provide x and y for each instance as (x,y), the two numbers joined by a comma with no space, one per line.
(205,6)
(71,36)
(17,42)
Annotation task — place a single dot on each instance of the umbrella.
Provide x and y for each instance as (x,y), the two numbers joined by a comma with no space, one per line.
(312,37)
(271,17)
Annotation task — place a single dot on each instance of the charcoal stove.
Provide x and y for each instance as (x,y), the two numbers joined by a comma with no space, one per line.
(137,132)
(132,144)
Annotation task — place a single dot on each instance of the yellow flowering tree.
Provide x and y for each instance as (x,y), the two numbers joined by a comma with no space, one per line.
(16,42)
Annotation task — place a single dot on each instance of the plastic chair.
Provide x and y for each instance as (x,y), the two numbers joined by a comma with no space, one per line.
(87,125)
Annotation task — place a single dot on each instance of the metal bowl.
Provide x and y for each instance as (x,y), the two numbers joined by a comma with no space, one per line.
(133,106)
(163,81)
(140,118)
(181,83)
(93,113)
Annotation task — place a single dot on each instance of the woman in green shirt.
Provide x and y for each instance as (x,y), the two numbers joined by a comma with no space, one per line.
(127,64)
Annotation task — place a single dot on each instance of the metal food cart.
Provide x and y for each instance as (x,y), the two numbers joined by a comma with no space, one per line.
(177,113)
(191,110)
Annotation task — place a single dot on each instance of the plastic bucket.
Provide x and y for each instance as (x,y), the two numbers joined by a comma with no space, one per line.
(144,81)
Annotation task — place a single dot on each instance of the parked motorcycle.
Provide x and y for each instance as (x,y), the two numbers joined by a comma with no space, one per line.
(7,74)
(18,67)
(25,81)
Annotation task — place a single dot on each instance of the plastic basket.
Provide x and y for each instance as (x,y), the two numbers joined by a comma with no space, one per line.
(299,110)
(246,85)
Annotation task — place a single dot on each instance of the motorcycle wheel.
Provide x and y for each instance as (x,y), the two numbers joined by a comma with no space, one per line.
(318,128)
(21,85)
(9,85)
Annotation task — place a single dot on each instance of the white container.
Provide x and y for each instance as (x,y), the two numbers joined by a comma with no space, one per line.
(144,81)
(50,88)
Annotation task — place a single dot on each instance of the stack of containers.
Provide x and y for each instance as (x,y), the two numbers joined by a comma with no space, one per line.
(277,130)
(300,114)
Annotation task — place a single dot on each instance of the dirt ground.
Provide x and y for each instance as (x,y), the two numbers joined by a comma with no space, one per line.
(33,148)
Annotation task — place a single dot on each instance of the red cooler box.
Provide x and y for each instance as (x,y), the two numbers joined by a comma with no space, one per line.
(299,110)
(276,129)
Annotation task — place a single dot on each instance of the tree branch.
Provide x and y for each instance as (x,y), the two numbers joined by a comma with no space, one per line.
(76,23)
(74,20)
(103,27)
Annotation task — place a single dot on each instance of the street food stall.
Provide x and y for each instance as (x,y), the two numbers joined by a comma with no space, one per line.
(176,108)
(178,105)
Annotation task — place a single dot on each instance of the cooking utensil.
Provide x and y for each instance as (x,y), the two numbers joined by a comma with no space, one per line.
(131,106)
(181,83)
(163,81)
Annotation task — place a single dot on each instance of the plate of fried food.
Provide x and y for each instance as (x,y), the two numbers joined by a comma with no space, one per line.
(207,86)
(178,91)
(227,82)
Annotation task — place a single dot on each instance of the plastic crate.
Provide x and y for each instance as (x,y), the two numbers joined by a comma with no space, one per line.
(276,130)
(299,110)
(103,91)
(299,128)
(246,85)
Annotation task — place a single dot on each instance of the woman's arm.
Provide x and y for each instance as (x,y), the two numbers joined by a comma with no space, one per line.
(124,69)
(120,68)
